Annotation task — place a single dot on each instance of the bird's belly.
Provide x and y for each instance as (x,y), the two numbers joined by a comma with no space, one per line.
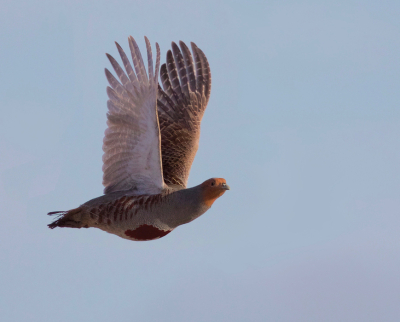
(146,232)
(139,228)
(139,217)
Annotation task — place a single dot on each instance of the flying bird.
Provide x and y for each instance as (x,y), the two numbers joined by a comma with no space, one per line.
(149,146)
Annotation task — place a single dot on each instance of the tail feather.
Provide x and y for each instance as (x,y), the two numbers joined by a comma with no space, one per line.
(71,218)
(57,213)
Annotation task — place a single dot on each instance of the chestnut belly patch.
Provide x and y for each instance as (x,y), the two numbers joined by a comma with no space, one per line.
(146,232)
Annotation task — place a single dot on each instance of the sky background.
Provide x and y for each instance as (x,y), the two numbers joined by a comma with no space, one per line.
(303,122)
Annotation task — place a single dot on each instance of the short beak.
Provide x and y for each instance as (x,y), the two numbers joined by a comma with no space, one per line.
(226,187)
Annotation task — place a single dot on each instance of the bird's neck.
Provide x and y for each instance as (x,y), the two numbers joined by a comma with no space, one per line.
(191,204)
(210,195)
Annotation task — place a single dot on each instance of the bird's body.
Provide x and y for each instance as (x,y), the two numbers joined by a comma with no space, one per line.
(150,144)
(141,217)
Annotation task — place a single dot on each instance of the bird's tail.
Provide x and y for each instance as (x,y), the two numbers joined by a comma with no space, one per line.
(71,218)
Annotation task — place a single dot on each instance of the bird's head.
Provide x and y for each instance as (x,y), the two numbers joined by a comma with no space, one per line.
(212,189)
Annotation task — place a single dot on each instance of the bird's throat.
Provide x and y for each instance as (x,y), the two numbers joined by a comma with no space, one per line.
(210,195)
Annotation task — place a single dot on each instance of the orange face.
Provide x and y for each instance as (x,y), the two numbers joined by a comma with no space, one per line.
(213,189)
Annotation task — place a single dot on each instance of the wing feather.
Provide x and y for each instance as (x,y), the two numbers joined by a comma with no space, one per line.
(199,69)
(116,86)
(132,156)
(173,74)
(181,68)
(157,62)
(128,66)
(182,100)
(206,74)
(149,59)
(187,56)
(137,60)
(121,74)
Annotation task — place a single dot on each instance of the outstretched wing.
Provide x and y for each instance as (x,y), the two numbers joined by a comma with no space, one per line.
(181,105)
(132,157)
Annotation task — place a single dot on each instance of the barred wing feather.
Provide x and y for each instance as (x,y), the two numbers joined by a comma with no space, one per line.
(182,100)
(132,155)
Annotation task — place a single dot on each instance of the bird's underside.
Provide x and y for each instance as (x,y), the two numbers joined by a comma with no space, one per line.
(149,146)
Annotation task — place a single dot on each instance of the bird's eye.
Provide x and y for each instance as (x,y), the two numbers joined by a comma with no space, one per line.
(213,183)
(223,184)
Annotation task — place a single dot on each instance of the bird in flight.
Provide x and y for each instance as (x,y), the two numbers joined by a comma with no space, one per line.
(149,146)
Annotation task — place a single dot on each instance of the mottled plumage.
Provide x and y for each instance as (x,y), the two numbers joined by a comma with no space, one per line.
(149,147)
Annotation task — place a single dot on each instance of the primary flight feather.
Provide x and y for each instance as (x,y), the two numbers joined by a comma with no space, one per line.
(149,147)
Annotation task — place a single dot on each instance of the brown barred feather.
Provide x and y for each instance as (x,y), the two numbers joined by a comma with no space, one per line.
(173,74)
(189,66)
(181,103)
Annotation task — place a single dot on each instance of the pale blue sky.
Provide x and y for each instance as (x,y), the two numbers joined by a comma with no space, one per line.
(303,122)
